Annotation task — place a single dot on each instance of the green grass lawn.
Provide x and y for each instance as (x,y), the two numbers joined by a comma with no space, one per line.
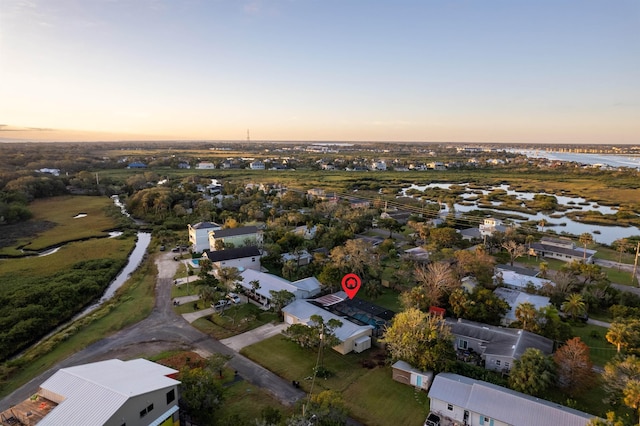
(234,320)
(370,394)
(388,299)
(594,337)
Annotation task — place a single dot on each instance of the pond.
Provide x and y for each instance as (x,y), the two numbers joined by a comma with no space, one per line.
(556,221)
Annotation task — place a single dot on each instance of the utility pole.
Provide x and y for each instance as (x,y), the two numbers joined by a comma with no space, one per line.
(635,264)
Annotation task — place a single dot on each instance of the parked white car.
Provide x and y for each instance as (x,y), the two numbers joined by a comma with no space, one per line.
(233,297)
(220,304)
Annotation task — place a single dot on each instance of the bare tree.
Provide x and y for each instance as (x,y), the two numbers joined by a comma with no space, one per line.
(514,249)
(437,279)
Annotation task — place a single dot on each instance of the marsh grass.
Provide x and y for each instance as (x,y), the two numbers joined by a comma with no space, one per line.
(61,211)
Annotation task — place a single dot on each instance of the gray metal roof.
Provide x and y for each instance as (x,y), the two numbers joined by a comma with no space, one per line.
(94,392)
(503,404)
(500,341)
(233,232)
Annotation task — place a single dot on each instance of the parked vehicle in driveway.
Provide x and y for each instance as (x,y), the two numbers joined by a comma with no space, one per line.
(233,297)
(221,304)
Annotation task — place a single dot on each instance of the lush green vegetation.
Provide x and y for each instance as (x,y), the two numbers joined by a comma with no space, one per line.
(131,303)
(373,397)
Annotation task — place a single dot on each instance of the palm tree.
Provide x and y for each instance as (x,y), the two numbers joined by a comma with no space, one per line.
(585,238)
(544,269)
(574,306)
(526,314)
(618,334)
(229,276)
(542,224)
(255,286)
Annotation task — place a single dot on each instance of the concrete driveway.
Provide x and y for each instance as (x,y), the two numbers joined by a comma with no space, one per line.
(253,336)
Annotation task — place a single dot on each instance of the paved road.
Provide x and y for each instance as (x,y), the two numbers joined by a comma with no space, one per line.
(162,330)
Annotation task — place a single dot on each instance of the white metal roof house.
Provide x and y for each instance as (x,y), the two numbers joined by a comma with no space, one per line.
(499,347)
(517,281)
(301,289)
(353,337)
(477,403)
(199,235)
(112,393)
(515,298)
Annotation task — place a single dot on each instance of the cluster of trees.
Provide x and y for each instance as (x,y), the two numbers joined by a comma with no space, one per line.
(30,308)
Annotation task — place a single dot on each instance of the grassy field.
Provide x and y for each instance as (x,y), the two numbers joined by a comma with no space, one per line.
(593,336)
(370,394)
(388,299)
(61,212)
(234,320)
(132,303)
(67,256)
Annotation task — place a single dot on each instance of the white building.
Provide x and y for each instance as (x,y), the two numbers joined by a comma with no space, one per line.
(301,289)
(353,337)
(477,403)
(518,281)
(247,257)
(491,225)
(379,165)
(112,393)
(199,235)
(235,237)
(516,298)
(256,165)
(205,165)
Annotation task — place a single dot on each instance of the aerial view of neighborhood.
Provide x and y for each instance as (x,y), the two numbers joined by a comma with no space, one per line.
(269,283)
(319,213)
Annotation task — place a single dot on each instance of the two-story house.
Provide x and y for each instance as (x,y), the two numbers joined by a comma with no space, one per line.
(199,235)
(235,237)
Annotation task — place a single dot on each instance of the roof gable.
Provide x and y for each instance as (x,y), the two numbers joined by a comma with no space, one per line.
(503,404)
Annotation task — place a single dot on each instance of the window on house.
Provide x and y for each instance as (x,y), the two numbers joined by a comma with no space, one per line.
(498,362)
(450,407)
(149,408)
(507,365)
(143,413)
(171,396)
(462,344)
(253,259)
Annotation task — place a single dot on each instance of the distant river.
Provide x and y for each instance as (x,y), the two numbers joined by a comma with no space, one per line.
(609,160)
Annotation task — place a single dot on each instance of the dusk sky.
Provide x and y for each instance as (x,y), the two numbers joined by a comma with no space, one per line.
(565,71)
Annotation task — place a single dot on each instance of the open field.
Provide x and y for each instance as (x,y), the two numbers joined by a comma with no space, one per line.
(68,255)
(58,214)
(370,394)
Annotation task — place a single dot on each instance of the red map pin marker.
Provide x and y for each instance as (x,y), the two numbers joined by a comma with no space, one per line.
(351,284)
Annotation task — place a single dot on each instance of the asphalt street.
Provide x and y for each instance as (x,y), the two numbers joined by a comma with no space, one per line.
(162,330)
